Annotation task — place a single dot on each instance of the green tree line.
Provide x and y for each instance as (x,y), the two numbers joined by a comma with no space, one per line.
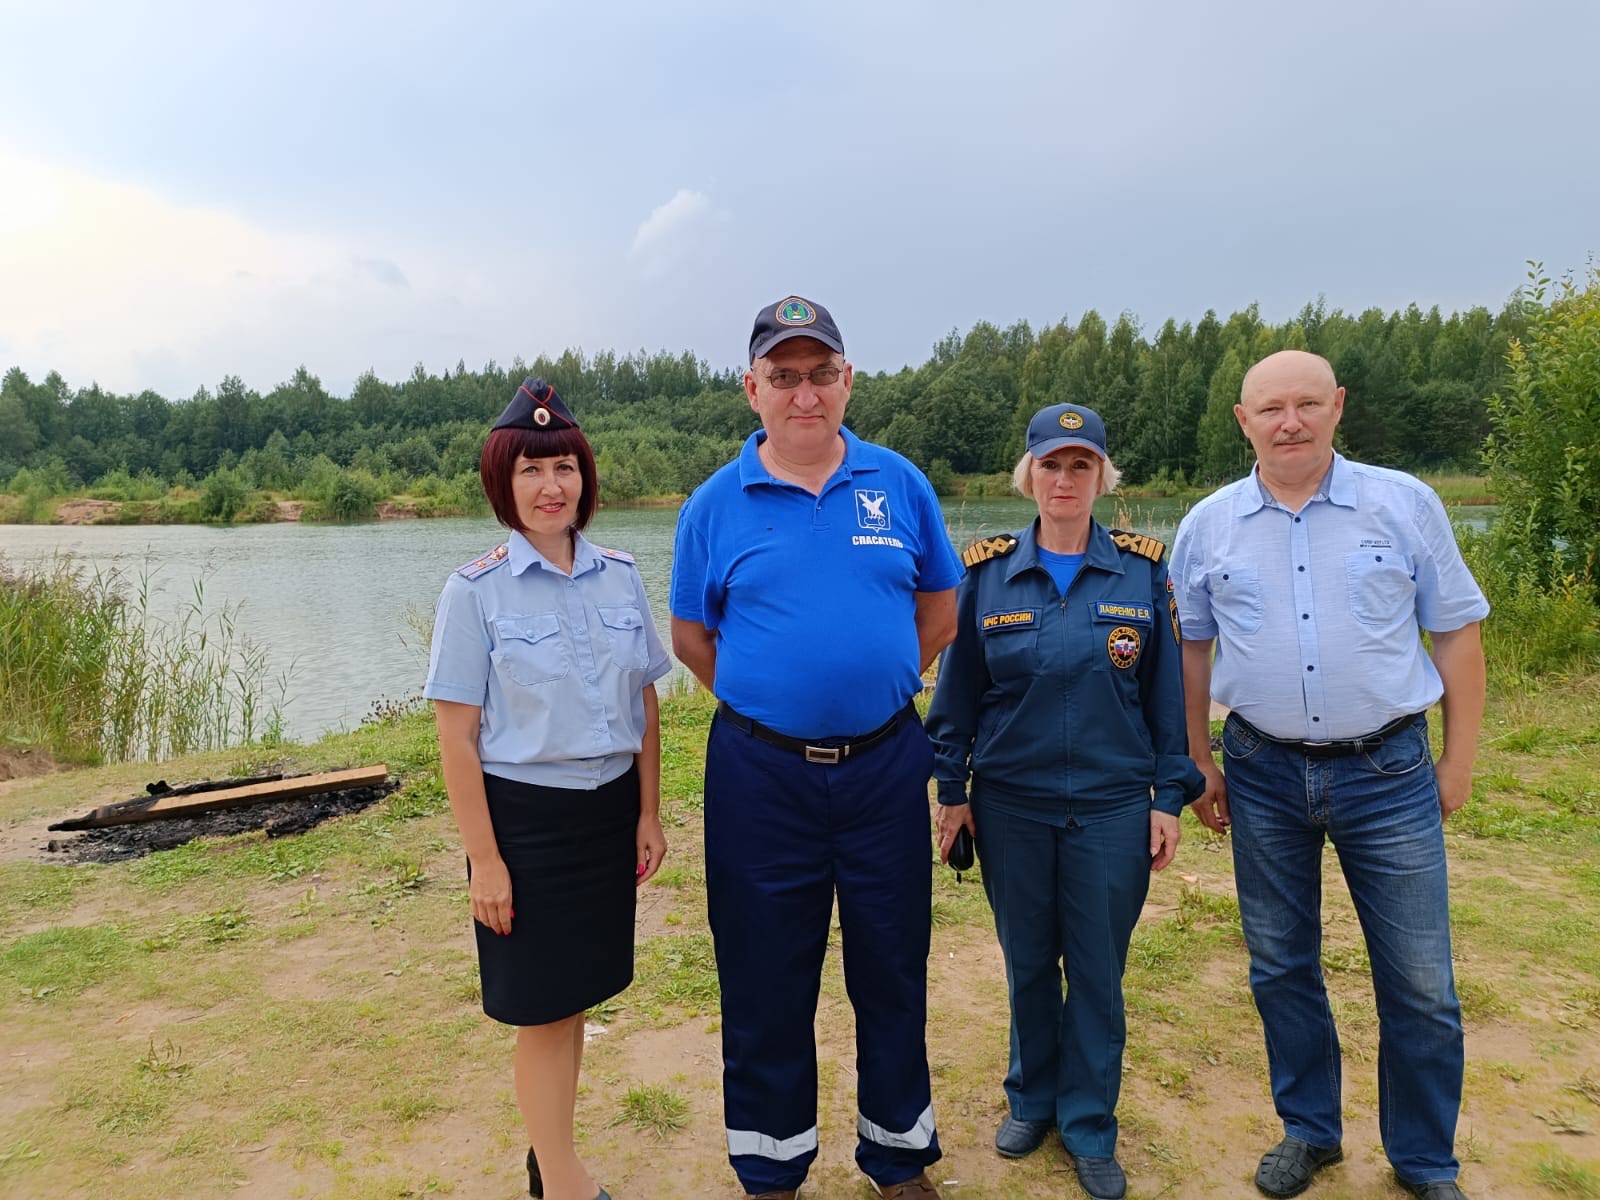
(1417,386)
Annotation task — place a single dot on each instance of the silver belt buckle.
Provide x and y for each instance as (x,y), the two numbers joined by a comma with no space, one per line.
(824,754)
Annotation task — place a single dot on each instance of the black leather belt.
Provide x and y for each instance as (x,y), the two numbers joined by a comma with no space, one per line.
(842,749)
(1338,749)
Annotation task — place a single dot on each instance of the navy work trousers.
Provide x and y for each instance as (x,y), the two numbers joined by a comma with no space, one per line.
(1065,900)
(782,835)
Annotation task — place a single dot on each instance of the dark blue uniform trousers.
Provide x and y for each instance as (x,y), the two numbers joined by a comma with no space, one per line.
(1066,898)
(782,835)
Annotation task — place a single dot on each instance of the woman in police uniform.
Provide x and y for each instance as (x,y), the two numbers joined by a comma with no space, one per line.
(542,675)
(1061,700)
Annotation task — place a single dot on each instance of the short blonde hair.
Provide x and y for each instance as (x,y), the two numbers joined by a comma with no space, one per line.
(1022,478)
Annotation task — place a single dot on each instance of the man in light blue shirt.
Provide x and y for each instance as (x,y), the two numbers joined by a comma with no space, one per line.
(1313,577)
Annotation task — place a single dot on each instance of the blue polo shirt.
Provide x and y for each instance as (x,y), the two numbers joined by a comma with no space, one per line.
(557,662)
(813,598)
(1316,613)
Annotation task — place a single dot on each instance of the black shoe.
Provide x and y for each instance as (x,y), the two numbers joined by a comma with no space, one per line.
(1287,1168)
(1017,1138)
(1101,1178)
(535,1180)
(1441,1189)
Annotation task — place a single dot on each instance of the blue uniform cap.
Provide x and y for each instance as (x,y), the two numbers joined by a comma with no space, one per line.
(1063,425)
(536,406)
(792,317)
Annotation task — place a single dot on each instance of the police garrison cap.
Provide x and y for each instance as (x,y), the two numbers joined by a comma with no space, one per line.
(536,406)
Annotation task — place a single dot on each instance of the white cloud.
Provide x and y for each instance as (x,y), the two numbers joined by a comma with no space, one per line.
(114,283)
(673,230)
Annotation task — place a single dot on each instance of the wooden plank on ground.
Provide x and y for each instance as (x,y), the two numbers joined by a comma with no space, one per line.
(194,803)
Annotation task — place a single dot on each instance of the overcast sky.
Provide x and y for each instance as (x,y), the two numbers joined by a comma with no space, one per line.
(193,190)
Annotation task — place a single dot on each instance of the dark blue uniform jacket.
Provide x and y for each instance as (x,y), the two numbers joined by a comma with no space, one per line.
(1052,701)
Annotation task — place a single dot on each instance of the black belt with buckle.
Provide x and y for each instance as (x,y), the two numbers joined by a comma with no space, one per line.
(1338,749)
(813,753)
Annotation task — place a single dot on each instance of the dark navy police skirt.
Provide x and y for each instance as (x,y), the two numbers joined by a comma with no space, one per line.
(571,856)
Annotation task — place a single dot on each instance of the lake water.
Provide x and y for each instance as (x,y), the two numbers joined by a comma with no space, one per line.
(330,603)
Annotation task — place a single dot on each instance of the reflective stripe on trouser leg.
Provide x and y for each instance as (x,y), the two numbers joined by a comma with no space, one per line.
(883,864)
(769,892)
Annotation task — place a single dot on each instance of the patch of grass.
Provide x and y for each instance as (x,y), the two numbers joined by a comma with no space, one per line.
(1523,740)
(422,796)
(1510,821)
(1197,907)
(1566,1176)
(653,1109)
(1165,951)
(1350,959)
(1480,1000)
(676,970)
(58,964)
(680,876)
(411,1106)
(1586,1085)
(165,1060)
(214,928)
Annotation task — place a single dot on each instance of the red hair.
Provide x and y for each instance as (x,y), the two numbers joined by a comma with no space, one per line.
(498,462)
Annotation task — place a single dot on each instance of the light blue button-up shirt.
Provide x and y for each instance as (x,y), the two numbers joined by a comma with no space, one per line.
(1316,613)
(558,663)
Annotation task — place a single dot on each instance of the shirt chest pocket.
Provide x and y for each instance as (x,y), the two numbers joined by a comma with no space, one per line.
(1382,591)
(1236,598)
(531,649)
(624,625)
(1010,643)
(1119,631)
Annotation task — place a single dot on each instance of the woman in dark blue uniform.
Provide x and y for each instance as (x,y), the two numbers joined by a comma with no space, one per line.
(542,674)
(1061,700)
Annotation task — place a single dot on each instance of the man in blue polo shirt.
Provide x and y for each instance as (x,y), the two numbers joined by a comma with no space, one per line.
(1313,576)
(812,583)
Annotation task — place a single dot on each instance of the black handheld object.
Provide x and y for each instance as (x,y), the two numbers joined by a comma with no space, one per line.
(961,851)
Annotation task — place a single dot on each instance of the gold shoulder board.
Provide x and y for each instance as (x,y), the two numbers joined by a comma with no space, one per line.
(984,549)
(1139,543)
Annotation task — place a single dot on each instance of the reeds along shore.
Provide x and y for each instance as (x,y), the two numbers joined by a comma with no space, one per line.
(93,676)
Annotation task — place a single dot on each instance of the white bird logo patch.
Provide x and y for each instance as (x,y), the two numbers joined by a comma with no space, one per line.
(872,510)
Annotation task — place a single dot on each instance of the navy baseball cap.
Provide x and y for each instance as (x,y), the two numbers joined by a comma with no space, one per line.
(536,406)
(792,317)
(1063,425)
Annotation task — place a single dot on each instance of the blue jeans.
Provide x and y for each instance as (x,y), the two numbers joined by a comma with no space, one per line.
(1381,811)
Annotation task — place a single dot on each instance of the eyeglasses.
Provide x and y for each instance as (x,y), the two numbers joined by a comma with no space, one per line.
(787,379)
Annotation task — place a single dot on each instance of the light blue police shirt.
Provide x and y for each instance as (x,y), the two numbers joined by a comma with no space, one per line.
(1316,612)
(557,662)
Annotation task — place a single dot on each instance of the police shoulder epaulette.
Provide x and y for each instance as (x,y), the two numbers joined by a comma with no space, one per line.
(488,562)
(619,555)
(982,550)
(1139,543)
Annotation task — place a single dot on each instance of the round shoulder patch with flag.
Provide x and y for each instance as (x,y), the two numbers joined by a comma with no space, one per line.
(795,311)
(1123,647)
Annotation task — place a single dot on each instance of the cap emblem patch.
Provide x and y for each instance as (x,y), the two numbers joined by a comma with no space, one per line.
(795,311)
(541,416)
(1071,420)
(1122,645)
